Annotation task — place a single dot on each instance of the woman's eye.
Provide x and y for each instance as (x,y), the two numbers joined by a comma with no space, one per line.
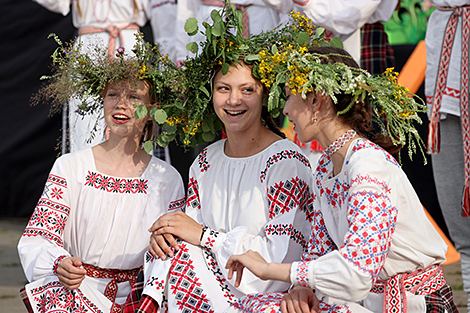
(222,88)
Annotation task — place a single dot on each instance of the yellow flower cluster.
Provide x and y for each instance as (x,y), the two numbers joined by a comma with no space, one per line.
(142,71)
(173,120)
(270,65)
(191,129)
(303,23)
(400,92)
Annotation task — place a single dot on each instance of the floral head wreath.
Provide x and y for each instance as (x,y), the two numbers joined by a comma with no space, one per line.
(191,116)
(304,72)
(83,74)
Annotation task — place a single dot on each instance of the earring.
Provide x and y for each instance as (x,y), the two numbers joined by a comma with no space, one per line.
(315,117)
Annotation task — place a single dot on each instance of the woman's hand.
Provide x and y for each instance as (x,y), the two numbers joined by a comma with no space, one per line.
(70,272)
(300,300)
(251,260)
(171,225)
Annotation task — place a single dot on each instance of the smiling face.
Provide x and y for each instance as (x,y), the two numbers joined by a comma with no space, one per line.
(238,99)
(301,115)
(120,102)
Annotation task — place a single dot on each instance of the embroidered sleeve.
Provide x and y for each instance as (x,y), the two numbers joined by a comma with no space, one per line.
(42,242)
(372,220)
(51,212)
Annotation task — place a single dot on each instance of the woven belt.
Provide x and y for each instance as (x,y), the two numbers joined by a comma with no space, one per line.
(113,32)
(116,276)
(421,282)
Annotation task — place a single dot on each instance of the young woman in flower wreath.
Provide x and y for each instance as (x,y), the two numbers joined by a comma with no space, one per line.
(372,248)
(248,191)
(85,242)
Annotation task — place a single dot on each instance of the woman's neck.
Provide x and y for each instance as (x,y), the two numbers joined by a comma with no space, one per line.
(330,135)
(240,145)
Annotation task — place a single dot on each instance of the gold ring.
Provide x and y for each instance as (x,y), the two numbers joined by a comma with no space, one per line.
(168,223)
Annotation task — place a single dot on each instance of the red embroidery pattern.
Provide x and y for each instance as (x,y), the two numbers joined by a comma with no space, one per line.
(286,230)
(53,297)
(56,193)
(214,267)
(56,180)
(421,282)
(301,275)
(185,285)
(111,184)
(284,155)
(320,242)
(359,180)
(162,3)
(202,160)
(372,221)
(269,302)
(177,204)
(337,195)
(288,195)
(366,144)
(193,194)
(56,263)
(49,217)
(210,240)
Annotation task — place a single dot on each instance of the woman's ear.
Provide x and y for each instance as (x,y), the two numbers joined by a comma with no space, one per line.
(319,101)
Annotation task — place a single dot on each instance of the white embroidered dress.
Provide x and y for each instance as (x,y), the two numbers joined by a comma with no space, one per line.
(368,225)
(102,219)
(262,202)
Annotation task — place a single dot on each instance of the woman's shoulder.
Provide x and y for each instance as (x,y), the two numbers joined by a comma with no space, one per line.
(364,151)
(285,158)
(76,157)
(162,168)
(285,149)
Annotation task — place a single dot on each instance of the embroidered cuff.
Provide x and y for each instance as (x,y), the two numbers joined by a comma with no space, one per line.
(57,262)
(209,238)
(299,274)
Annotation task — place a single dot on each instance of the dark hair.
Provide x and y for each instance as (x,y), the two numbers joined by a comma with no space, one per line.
(266,118)
(358,117)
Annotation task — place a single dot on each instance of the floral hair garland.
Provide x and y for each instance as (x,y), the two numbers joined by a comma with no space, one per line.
(304,72)
(191,116)
(83,74)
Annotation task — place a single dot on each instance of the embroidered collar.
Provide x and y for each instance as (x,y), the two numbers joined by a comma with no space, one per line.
(340,142)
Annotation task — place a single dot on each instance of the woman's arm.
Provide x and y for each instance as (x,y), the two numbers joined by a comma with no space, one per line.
(41,247)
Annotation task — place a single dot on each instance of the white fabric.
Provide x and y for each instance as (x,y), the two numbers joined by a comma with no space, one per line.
(374,228)
(162,16)
(261,18)
(102,219)
(260,202)
(342,17)
(101,14)
(437,22)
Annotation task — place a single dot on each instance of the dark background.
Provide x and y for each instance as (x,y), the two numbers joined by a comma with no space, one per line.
(29,137)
